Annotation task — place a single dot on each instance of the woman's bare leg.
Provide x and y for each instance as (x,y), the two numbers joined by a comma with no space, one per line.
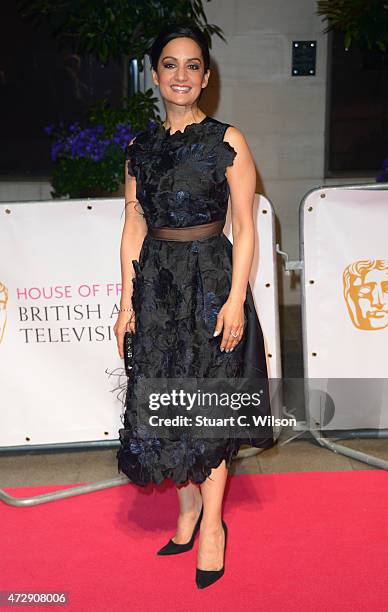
(211,534)
(190,504)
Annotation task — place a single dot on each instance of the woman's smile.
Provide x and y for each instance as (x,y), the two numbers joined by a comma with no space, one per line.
(181,88)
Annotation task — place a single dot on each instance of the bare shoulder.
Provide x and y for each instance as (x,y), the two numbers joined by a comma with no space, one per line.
(235,138)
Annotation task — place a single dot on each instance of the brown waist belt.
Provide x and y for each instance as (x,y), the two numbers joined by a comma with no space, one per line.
(193,232)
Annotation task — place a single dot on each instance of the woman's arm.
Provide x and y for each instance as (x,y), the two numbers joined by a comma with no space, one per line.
(242,182)
(241,178)
(134,231)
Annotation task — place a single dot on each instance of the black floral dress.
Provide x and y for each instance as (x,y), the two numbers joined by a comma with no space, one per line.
(178,290)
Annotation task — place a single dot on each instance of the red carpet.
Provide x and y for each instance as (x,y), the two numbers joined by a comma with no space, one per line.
(297,541)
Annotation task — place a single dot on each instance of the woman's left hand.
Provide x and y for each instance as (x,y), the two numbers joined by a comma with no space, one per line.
(231,319)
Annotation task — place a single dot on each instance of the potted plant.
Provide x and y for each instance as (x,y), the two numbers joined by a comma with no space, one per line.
(114,30)
(365,21)
(89,159)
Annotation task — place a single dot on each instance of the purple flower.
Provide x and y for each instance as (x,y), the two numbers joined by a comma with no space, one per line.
(49,129)
(89,142)
(383,178)
(55,150)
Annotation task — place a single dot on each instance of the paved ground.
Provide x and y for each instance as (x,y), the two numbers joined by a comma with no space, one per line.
(289,455)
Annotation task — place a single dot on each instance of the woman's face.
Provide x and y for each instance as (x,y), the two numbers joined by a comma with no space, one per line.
(181,73)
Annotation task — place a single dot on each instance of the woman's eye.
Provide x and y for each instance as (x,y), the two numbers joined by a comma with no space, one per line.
(194,66)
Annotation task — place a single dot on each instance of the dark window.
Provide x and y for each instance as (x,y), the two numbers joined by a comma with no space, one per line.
(40,85)
(357,111)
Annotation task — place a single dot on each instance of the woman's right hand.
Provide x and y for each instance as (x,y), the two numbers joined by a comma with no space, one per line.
(125,322)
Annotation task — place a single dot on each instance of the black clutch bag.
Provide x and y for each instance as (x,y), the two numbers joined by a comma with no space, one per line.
(128,352)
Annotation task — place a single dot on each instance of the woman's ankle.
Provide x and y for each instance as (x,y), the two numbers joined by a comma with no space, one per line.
(193,510)
(212,525)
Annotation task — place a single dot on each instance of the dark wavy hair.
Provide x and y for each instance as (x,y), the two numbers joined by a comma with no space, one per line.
(179,31)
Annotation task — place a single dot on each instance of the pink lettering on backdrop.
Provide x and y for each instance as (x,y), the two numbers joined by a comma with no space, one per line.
(68,291)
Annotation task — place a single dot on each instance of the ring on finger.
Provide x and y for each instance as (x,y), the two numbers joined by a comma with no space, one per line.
(234,335)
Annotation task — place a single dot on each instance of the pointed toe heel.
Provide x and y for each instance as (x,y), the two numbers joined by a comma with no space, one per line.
(175,549)
(204,578)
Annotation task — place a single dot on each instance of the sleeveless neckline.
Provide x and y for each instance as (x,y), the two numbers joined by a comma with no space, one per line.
(187,128)
(187,165)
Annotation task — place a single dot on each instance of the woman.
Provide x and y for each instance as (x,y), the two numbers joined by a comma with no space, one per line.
(192,314)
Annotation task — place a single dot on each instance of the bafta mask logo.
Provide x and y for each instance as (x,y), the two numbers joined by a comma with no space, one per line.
(366,293)
(3,309)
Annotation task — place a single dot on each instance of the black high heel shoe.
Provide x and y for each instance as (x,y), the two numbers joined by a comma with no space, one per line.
(174,549)
(205,578)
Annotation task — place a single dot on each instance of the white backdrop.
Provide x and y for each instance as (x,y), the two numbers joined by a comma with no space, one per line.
(345,304)
(59,295)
